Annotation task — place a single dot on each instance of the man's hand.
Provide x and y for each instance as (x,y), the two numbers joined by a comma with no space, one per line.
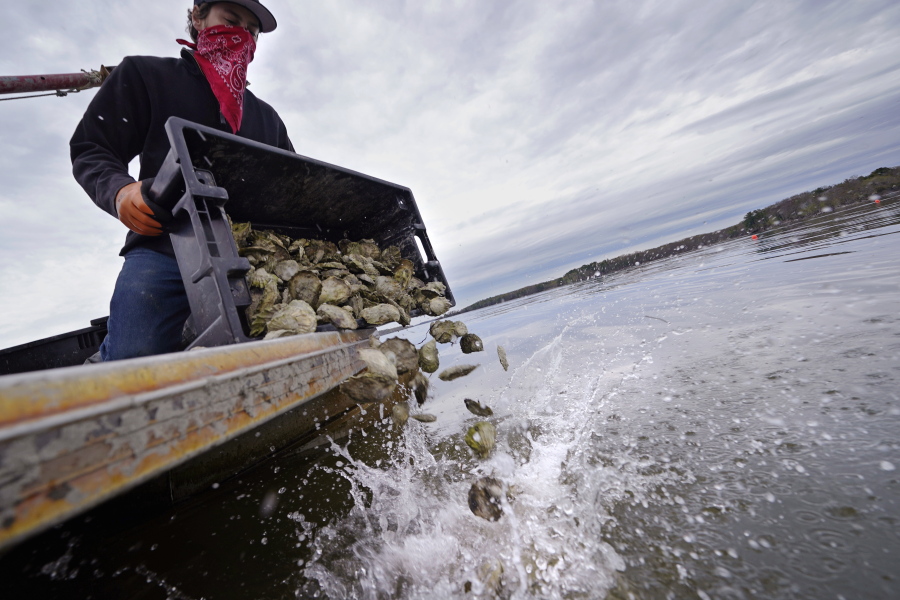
(134,212)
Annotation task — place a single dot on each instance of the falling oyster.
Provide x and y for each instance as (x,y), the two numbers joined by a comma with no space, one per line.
(490,573)
(420,386)
(375,385)
(378,363)
(406,358)
(502,354)
(424,418)
(400,414)
(339,317)
(428,357)
(481,438)
(380,314)
(477,408)
(456,372)
(486,498)
(442,331)
(435,306)
(470,343)
(296,317)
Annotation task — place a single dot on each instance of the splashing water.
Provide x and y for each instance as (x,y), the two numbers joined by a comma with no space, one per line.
(720,424)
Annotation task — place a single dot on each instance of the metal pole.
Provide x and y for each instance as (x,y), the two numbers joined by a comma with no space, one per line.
(66,82)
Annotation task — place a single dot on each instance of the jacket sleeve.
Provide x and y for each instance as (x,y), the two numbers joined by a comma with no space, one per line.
(111,133)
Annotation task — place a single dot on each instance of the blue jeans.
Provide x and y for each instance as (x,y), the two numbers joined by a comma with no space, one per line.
(148,308)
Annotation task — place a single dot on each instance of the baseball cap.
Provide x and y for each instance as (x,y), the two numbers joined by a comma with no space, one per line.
(266,21)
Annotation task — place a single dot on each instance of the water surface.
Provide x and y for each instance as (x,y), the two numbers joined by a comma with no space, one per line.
(722,424)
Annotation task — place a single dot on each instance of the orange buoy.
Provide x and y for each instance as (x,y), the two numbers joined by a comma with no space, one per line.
(754,237)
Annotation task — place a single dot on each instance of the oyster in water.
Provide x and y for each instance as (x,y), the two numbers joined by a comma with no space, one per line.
(400,414)
(481,438)
(486,498)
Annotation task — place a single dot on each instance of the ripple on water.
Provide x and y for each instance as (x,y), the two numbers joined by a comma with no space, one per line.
(832,540)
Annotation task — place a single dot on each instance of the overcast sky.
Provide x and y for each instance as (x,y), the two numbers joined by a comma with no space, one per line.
(536,135)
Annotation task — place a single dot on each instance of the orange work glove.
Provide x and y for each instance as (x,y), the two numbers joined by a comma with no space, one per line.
(134,212)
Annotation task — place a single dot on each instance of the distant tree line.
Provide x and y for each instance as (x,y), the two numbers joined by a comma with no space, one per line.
(795,208)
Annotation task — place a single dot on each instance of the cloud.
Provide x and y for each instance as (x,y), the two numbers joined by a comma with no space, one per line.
(535,136)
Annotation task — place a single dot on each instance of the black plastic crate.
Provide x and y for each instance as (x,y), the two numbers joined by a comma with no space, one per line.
(64,350)
(208,172)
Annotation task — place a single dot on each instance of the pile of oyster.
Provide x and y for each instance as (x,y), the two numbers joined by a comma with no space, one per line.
(296,285)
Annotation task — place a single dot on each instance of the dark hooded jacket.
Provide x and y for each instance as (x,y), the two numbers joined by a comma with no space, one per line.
(127,117)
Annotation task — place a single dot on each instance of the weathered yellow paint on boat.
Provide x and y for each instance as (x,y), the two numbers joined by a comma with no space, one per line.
(71,438)
(31,395)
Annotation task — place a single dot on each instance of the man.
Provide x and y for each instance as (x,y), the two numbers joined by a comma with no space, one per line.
(126,118)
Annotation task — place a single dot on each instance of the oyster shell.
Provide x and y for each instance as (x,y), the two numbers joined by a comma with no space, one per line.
(340,318)
(356,306)
(406,358)
(240,231)
(388,287)
(274,335)
(477,408)
(377,362)
(262,306)
(424,417)
(470,343)
(486,498)
(334,291)
(481,438)
(390,257)
(354,275)
(305,286)
(435,306)
(420,386)
(442,331)
(433,289)
(428,357)
(296,317)
(259,278)
(286,269)
(501,353)
(456,372)
(376,384)
(404,272)
(400,414)
(380,314)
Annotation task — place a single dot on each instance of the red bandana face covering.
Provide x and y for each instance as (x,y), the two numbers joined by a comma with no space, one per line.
(223,54)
